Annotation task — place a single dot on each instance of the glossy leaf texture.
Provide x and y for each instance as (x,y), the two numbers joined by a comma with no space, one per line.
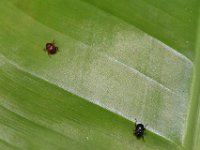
(117,61)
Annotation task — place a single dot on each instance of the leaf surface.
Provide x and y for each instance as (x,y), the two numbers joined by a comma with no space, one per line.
(112,66)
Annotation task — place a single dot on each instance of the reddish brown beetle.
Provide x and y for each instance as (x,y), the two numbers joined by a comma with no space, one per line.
(51,48)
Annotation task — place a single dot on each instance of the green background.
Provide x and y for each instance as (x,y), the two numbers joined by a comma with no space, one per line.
(118,60)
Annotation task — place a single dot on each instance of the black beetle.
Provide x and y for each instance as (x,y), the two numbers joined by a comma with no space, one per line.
(139,130)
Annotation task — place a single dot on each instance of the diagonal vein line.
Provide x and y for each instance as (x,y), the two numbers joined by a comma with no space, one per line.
(9,144)
(162,10)
(122,19)
(135,71)
(50,28)
(146,2)
(35,123)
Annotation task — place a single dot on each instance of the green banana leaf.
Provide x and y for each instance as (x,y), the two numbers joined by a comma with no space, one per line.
(118,60)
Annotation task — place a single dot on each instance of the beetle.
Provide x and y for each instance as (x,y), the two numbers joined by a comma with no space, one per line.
(51,48)
(139,130)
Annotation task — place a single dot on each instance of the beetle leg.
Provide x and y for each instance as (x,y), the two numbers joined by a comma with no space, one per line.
(142,137)
(135,122)
(49,55)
